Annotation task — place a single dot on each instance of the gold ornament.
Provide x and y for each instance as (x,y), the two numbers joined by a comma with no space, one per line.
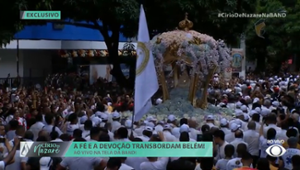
(186,24)
(196,41)
(158,40)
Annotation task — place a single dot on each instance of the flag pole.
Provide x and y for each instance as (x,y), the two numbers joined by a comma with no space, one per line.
(132,119)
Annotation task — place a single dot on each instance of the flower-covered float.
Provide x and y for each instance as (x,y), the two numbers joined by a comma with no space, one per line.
(194,58)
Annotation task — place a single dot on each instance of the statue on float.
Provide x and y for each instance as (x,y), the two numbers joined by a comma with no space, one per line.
(194,58)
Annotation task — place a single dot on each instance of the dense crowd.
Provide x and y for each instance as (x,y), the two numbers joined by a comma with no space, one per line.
(69,109)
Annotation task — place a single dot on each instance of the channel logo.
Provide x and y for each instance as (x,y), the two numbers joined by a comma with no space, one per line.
(275,150)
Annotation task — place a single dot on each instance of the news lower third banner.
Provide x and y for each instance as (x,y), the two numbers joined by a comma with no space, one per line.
(116,149)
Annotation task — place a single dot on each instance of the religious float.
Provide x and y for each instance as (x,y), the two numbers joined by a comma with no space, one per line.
(193,58)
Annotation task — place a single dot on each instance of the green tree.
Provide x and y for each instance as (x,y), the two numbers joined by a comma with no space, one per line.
(281,34)
(122,16)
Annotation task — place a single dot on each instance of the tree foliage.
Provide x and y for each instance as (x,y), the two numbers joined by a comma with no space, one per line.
(122,16)
(281,34)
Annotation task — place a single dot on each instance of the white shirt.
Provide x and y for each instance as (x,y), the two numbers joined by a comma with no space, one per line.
(221,151)
(17,163)
(88,138)
(192,140)
(194,133)
(222,164)
(257,126)
(236,142)
(123,140)
(176,132)
(160,164)
(115,125)
(251,137)
(198,167)
(135,162)
(158,128)
(72,127)
(225,130)
(278,130)
(211,125)
(139,131)
(244,125)
(2,165)
(234,163)
(229,137)
(131,131)
(125,167)
(169,137)
(85,133)
(282,135)
(263,146)
(49,128)
(36,128)
(76,163)
(287,157)
(56,140)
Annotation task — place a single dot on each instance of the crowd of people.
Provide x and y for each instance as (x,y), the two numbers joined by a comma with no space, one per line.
(264,110)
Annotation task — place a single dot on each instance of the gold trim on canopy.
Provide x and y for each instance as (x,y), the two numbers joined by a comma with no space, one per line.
(186,24)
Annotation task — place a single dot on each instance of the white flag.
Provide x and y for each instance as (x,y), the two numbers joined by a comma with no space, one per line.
(146,83)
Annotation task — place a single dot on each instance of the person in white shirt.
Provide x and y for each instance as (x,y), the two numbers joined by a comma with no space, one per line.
(20,162)
(169,137)
(76,163)
(113,164)
(271,121)
(236,162)
(256,118)
(122,134)
(50,120)
(251,137)
(271,135)
(94,134)
(193,131)
(230,136)
(73,124)
(10,155)
(239,114)
(147,133)
(96,120)
(88,124)
(135,162)
(222,163)
(128,125)
(160,126)
(125,166)
(210,121)
(238,140)
(186,128)
(224,126)
(155,163)
(219,139)
(104,118)
(245,109)
(13,124)
(116,121)
(286,159)
(38,126)
(139,130)
(173,121)
(45,163)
